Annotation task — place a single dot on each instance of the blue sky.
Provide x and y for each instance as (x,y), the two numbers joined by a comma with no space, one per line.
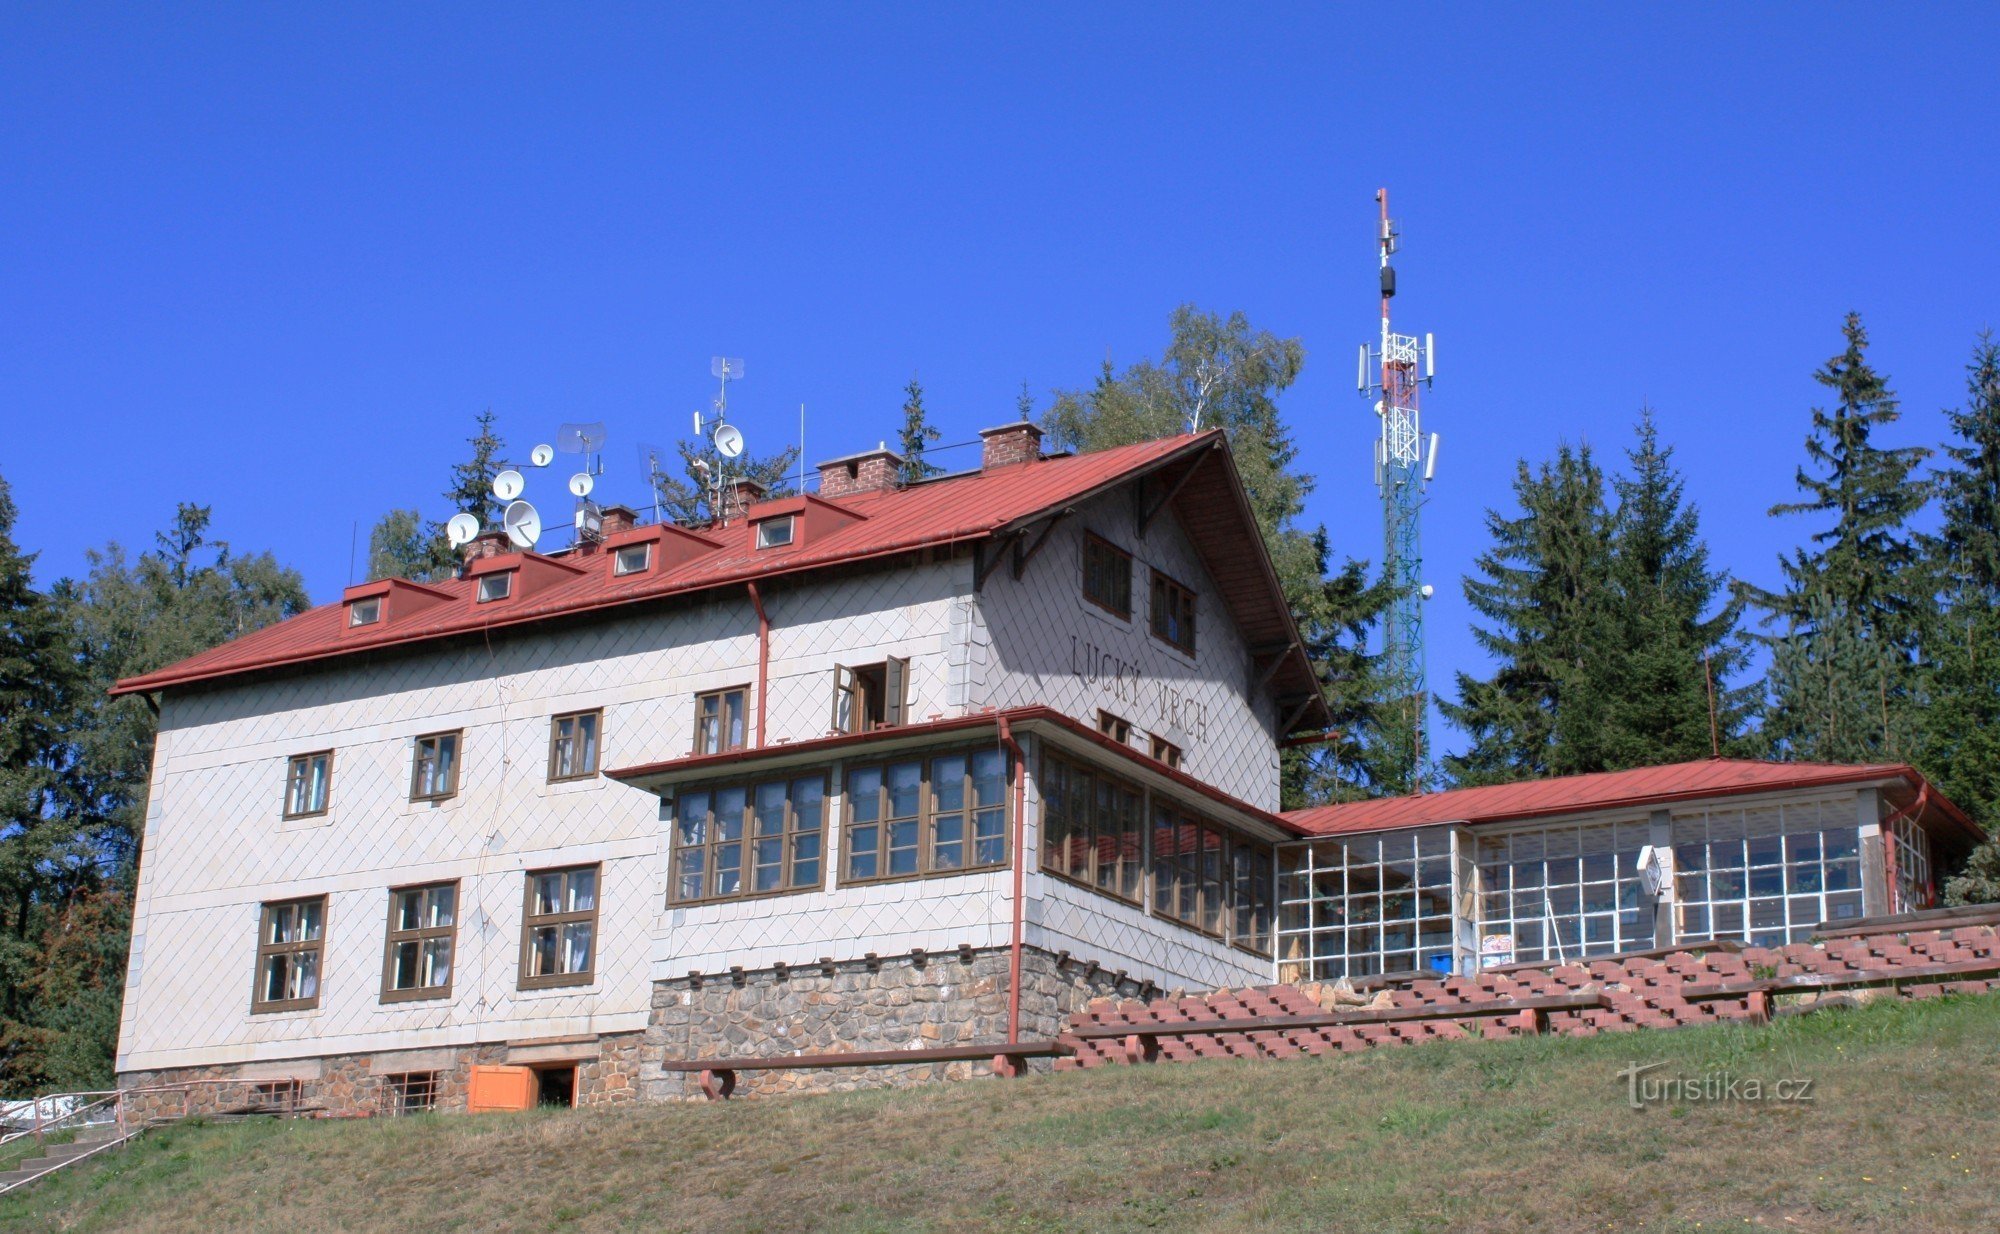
(275,260)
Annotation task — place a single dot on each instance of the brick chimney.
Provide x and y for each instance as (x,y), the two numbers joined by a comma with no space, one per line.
(1019,442)
(617,519)
(743,493)
(487,544)
(868,472)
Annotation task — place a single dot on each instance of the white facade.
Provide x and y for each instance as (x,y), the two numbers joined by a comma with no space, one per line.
(216,846)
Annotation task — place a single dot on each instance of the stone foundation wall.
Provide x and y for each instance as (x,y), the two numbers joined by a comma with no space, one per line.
(356,1085)
(895,1003)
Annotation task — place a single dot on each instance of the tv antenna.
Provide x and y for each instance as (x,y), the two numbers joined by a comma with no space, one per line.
(586,440)
(725,440)
(1393,369)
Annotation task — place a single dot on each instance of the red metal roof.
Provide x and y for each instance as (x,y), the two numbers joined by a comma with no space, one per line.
(940,514)
(1641,786)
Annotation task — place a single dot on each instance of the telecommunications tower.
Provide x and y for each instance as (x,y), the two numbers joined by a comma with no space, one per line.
(1393,370)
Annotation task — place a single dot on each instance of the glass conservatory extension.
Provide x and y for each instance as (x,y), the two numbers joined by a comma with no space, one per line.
(1451,897)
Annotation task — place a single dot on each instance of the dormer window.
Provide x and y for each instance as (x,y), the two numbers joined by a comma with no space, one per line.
(632,559)
(775,532)
(496,586)
(364,612)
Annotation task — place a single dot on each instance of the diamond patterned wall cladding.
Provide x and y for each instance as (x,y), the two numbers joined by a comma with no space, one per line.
(216,847)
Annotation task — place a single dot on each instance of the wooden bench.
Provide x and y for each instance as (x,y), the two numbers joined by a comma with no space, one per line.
(718,1075)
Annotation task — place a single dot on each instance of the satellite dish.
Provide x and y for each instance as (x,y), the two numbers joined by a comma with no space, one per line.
(580,438)
(523,524)
(462,530)
(728,440)
(508,485)
(542,456)
(580,484)
(729,368)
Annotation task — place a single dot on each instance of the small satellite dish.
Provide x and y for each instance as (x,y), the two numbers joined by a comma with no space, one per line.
(523,524)
(580,438)
(728,440)
(542,456)
(580,484)
(508,485)
(729,368)
(462,530)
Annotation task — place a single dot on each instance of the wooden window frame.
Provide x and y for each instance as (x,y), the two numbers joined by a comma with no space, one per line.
(1057,803)
(618,569)
(1164,752)
(326,802)
(457,736)
(701,745)
(1114,726)
(316,946)
(747,838)
(848,684)
(420,935)
(596,716)
(1092,542)
(1226,906)
(531,921)
(926,818)
(1172,589)
(503,577)
(376,605)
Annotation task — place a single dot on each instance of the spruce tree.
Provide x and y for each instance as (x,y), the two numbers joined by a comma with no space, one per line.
(1545,592)
(1680,644)
(1958,722)
(1860,586)
(916,434)
(402,544)
(689,498)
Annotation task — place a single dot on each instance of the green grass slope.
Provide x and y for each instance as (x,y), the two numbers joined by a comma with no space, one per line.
(1901,1133)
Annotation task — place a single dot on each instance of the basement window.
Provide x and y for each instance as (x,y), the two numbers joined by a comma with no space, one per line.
(365,612)
(775,532)
(631,559)
(411,1092)
(496,586)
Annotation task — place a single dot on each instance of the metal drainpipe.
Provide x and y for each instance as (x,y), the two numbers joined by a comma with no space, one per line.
(1020,834)
(763,658)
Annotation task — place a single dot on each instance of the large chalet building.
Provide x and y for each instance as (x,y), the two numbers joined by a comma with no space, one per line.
(880,767)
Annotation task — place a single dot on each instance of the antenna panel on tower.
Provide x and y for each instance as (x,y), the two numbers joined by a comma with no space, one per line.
(581,438)
(728,368)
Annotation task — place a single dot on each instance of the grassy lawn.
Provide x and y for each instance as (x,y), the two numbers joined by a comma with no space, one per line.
(1901,1133)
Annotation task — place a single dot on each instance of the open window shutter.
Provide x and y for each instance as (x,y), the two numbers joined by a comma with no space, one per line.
(896,686)
(843,699)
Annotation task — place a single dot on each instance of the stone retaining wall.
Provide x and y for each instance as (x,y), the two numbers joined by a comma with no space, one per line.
(356,1085)
(895,1003)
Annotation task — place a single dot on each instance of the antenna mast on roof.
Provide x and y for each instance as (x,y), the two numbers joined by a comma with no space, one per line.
(1405,462)
(725,440)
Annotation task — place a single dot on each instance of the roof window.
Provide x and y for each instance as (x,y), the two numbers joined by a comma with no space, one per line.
(365,611)
(632,558)
(496,586)
(775,532)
